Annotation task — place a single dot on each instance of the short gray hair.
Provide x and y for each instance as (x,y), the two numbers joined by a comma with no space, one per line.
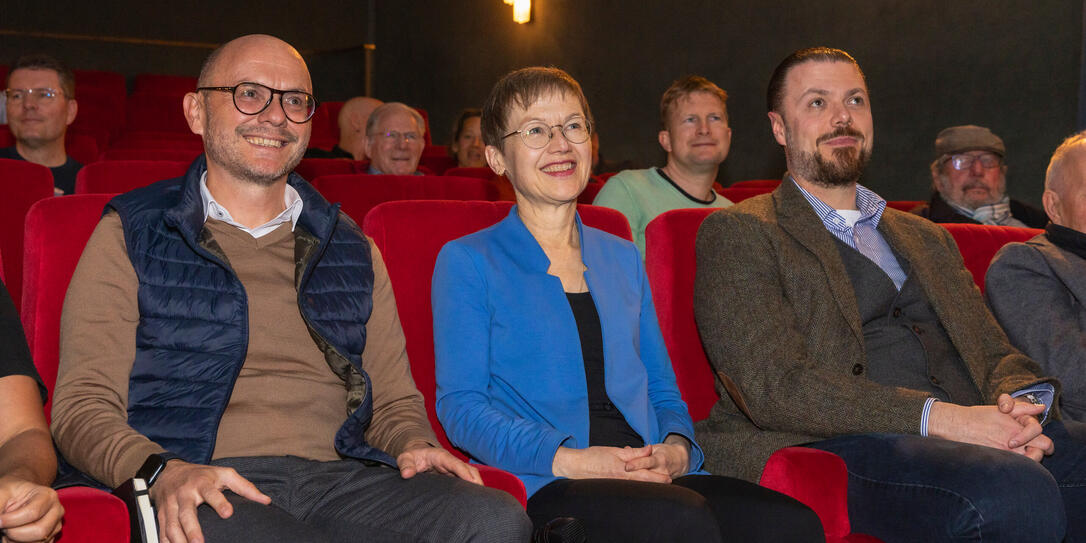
(1054,174)
(392,107)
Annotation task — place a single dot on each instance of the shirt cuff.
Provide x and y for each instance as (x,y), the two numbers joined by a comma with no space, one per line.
(1044,392)
(924,416)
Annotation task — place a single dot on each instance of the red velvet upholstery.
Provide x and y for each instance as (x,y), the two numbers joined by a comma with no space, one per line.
(23,184)
(757,183)
(409,235)
(738,194)
(57,229)
(361,192)
(113,176)
(312,168)
(112,82)
(436,159)
(978,243)
(174,85)
(155,112)
(603,177)
(671,264)
(325,125)
(904,205)
(159,139)
(82,147)
(588,195)
(481,173)
(170,155)
(93,516)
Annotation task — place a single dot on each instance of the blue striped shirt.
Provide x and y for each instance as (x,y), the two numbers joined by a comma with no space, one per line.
(864,235)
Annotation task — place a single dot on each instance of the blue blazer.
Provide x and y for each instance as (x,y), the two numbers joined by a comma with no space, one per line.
(510,375)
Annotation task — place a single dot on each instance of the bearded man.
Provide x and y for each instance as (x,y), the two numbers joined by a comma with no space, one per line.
(837,323)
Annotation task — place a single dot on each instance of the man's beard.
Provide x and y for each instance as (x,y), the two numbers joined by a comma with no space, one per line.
(846,167)
(224,151)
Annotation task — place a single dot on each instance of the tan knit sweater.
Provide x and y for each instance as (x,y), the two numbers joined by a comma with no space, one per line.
(286,400)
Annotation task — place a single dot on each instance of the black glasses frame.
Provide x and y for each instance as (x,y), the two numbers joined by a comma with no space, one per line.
(281,93)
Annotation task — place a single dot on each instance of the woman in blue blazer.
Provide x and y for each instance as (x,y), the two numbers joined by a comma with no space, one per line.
(550,361)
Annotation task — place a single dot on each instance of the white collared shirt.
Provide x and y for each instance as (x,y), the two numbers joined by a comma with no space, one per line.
(291,200)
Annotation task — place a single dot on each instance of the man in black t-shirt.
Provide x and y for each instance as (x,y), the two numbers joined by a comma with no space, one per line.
(29,509)
(40,105)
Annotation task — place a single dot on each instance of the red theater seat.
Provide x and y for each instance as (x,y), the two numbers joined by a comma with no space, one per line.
(904,205)
(409,235)
(115,176)
(588,195)
(82,147)
(23,184)
(98,80)
(481,173)
(978,243)
(603,177)
(757,183)
(436,159)
(359,193)
(738,194)
(325,125)
(155,112)
(171,85)
(57,229)
(312,168)
(169,155)
(815,478)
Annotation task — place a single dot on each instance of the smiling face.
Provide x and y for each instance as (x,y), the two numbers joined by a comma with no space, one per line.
(396,144)
(36,120)
(261,148)
(469,147)
(555,174)
(697,136)
(974,186)
(824,123)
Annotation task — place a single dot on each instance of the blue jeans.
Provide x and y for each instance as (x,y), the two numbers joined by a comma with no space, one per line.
(911,488)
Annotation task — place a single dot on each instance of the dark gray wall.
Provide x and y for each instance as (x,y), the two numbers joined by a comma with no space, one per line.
(1010,65)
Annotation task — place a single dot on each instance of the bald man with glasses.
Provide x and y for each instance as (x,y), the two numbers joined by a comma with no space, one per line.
(394,139)
(231,337)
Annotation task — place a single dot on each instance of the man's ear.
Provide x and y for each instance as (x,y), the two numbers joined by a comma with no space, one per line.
(193,108)
(495,159)
(1051,201)
(664,137)
(73,109)
(776,124)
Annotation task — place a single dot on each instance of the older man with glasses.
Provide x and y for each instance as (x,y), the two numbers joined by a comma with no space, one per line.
(394,139)
(232,338)
(40,104)
(969,178)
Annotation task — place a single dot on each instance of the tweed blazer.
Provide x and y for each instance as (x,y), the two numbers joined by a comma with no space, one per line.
(1036,291)
(779,321)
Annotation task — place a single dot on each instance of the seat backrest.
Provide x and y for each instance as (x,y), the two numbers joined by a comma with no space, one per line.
(904,205)
(757,183)
(168,155)
(114,176)
(409,235)
(157,112)
(312,168)
(173,85)
(978,243)
(436,160)
(57,229)
(82,147)
(23,183)
(110,82)
(671,264)
(738,194)
(325,122)
(588,195)
(359,193)
(481,173)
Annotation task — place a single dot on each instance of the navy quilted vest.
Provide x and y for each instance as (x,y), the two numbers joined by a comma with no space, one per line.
(193,331)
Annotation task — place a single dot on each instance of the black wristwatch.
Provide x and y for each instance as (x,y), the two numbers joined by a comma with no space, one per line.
(152,467)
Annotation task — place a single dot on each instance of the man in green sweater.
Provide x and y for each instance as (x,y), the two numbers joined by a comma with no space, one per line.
(695,133)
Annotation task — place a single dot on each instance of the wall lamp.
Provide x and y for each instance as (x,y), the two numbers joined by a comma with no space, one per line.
(522,10)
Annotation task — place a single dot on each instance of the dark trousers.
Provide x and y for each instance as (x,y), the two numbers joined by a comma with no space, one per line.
(703,508)
(348,501)
(910,488)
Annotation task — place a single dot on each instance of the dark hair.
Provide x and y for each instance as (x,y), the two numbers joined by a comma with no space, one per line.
(39,61)
(774,94)
(464,116)
(681,88)
(523,88)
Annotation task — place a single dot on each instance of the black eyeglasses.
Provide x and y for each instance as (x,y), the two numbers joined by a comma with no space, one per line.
(253,98)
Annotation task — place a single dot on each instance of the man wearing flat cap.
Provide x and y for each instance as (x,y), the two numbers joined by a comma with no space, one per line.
(970,181)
